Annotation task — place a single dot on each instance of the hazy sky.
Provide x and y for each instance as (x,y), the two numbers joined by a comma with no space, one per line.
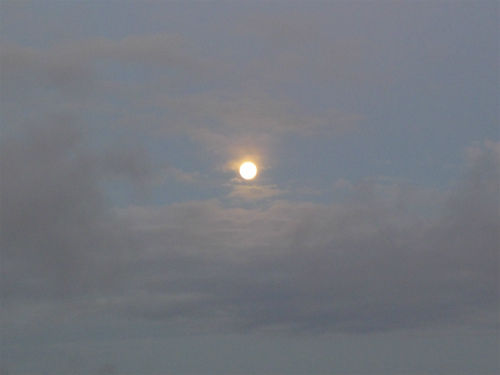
(368,243)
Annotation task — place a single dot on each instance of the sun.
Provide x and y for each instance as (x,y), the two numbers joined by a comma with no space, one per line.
(248,170)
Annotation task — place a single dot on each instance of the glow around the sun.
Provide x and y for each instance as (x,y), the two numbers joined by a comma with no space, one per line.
(248,170)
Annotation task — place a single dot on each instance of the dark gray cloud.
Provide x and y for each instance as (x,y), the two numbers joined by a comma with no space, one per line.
(371,264)
(58,236)
(43,68)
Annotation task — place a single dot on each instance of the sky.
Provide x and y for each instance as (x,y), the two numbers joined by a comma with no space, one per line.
(367,243)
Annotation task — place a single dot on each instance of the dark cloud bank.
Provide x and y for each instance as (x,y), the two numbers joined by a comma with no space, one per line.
(370,264)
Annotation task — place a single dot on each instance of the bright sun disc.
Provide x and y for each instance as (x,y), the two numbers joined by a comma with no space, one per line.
(248,170)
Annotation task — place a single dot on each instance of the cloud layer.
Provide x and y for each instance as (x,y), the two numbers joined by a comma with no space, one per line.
(368,242)
(374,263)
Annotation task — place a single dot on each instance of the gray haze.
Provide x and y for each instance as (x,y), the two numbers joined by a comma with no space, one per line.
(368,242)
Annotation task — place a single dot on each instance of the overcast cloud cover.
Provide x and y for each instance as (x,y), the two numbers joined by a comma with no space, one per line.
(368,242)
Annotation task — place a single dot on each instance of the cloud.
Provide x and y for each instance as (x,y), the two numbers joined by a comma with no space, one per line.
(252,193)
(71,66)
(107,369)
(57,232)
(127,163)
(42,68)
(297,51)
(253,113)
(370,264)
(229,123)
(301,267)
(181,176)
(232,126)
